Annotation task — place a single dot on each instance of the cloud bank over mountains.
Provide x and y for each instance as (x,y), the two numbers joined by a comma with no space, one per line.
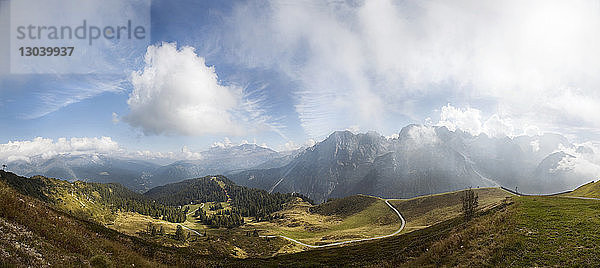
(367,62)
(46,148)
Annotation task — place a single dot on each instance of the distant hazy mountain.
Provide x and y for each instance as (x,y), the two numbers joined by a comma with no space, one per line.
(217,160)
(422,160)
(139,175)
(133,174)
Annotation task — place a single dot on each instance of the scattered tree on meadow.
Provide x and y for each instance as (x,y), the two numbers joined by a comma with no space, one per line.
(151,229)
(179,235)
(470,201)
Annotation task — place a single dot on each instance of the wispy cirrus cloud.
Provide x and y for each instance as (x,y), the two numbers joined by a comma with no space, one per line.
(367,63)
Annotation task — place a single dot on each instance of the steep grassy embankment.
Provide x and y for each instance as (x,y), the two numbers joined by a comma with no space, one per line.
(35,234)
(347,218)
(423,211)
(520,232)
(591,190)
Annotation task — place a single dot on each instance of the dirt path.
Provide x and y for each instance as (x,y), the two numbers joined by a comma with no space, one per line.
(348,241)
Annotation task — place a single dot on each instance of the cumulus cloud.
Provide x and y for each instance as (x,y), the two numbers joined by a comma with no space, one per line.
(471,120)
(393,136)
(361,63)
(223,144)
(289,146)
(468,119)
(581,159)
(188,154)
(46,148)
(498,127)
(579,166)
(177,93)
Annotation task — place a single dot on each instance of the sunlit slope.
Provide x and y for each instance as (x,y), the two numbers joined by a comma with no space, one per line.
(32,233)
(591,190)
(423,211)
(92,201)
(352,217)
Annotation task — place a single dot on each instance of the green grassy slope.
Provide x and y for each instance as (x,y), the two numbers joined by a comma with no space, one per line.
(97,202)
(352,217)
(591,189)
(35,234)
(534,232)
(521,232)
(344,207)
(423,211)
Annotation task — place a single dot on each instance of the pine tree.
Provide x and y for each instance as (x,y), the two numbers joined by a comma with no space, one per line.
(470,201)
(179,235)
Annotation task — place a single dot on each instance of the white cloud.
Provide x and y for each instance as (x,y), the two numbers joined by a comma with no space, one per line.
(361,63)
(115,118)
(223,144)
(393,136)
(177,93)
(580,166)
(289,146)
(498,127)
(188,154)
(468,119)
(46,148)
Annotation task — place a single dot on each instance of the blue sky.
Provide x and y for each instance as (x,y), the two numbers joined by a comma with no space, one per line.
(283,73)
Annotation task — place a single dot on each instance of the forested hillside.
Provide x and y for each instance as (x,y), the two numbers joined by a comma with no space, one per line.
(91,200)
(244,201)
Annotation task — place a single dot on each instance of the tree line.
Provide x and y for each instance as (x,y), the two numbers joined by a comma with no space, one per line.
(118,197)
(113,196)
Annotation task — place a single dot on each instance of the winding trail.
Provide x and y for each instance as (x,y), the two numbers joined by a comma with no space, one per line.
(194,231)
(187,228)
(348,241)
(195,210)
(559,194)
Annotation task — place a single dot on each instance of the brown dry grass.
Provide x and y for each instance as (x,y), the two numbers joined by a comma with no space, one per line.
(424,211)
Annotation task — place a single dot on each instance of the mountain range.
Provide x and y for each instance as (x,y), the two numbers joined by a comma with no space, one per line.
(420,160)
(425,160)
(139,175)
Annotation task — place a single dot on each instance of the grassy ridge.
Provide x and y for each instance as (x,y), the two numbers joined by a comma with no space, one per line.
(344,207)
(37,235)
(555,231)
(520,232)
(347,218)
(33,233)
(420,212)
(97,202)
(534,232)
(591,189)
